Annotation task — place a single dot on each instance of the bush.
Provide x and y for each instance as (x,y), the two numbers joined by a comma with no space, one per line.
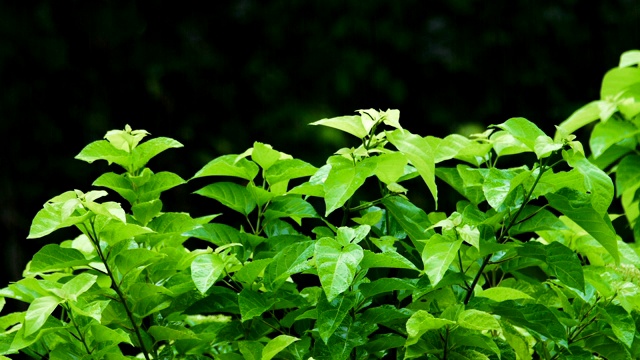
(529,265)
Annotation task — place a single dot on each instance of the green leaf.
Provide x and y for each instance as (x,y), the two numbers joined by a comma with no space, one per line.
(331,314)
(516,340)
(349,124)
(288,261)
(411,218)
(103,150)
(576,208)
(38,312)
(607,134)
(580,118)
(621,323)
(630,58)
(129,259)
(523,130)
(421,322)
(264,155)
(145,211)
(506,144)
(253,303)
(385,285)
(126,139)
(438,253)
(218,234)
(596,181)
(103,334)
(205,271)
(545,145)
(148,298)
(419,153)
(55,216)
(149,149)
(229,165)
(231,195)
(478,320)
(452,177)
(158,183)
(344,179)
(535,318)
(251,350)
(450,147)
(287,169)
(336,265)
(390,167)
(53,257)
(497,186)
(534,218)
(618,80)
(566,265)
(166,333)
(627,174)
(118,183)
(387,314)
(276,345)
(389,259)
(78,285)
(251,270)
(499,294)
(293,207)
(114,231)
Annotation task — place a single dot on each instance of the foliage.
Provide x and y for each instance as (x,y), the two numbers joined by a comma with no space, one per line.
(529,265)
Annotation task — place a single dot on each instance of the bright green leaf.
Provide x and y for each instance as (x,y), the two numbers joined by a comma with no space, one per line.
(149,149)
(276,345)
(343,180)
(503,294)
(53,257)
(523,130)
(388,259)
(229,165)
(349,124)
(205,271)
(438,253)
(336,265)
(478,320)
(38,312)
(419,153)
(421,322)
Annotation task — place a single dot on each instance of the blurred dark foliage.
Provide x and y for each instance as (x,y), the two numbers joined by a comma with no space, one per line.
(219,75)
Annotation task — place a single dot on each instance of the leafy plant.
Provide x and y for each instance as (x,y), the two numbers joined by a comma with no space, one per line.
(528,265)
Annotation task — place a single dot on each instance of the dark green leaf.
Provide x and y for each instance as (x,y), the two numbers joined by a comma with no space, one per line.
(535,318)
(253,303)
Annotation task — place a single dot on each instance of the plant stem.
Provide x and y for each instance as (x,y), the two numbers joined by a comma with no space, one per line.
(504,233)
(94,239)
(80,334)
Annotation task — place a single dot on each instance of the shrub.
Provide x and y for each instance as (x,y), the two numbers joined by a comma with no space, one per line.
(529,265)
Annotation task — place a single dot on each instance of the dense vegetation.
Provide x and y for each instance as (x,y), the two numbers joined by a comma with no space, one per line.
(529,265)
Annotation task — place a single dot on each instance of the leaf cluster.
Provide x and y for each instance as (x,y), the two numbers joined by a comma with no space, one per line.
(529,265)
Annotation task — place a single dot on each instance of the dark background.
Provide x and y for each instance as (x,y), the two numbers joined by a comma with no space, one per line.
(220,76)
